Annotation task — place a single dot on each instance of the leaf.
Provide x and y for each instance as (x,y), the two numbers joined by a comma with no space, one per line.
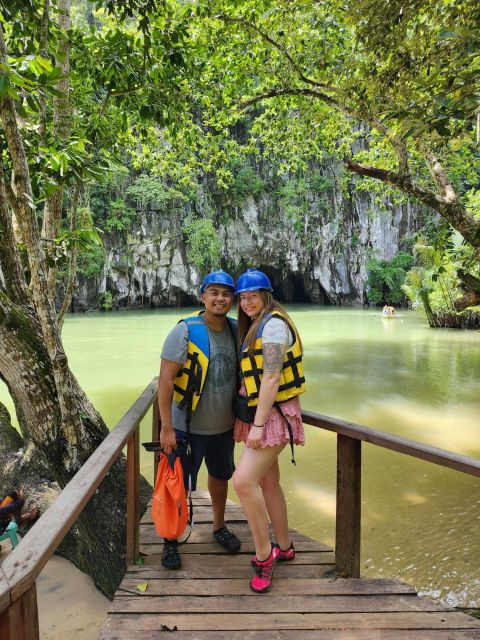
(140,561)
(143,586)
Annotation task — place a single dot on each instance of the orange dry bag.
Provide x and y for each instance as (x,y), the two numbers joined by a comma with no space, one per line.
(6,501)
(169,504)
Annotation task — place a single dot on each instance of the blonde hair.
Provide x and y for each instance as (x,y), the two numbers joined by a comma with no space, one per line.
(247,328)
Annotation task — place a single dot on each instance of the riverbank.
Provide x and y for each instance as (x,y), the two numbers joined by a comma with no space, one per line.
(69,605)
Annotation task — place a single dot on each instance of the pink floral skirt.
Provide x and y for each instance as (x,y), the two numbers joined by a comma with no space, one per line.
(275,430)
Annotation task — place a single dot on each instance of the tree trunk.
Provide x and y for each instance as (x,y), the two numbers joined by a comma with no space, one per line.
(59,425)
(97,541)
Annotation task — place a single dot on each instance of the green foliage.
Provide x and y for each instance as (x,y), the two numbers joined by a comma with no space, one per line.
(312,80)
(119,216)
(386,277)
(245,180)
(91,262)
(294,199)
(434,284)
(149,190)
(203,243)
(319,183)
(106,301)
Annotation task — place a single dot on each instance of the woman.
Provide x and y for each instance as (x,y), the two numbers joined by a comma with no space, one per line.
(270,354)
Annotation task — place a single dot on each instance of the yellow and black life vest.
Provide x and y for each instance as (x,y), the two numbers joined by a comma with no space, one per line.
(292,378)
(190,380)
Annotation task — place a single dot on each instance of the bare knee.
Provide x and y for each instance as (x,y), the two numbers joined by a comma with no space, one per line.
(242,484)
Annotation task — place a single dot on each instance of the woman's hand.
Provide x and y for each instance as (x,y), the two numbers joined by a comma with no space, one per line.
(254,440)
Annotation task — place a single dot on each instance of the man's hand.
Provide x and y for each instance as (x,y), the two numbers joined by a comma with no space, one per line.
(168,439)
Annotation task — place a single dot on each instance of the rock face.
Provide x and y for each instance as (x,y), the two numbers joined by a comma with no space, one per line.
(313,240)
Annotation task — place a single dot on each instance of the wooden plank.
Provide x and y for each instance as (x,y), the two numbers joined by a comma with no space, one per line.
(215,549)
(245,571)
(4,592)
(293,621)
(20,620)
(395,443)
(202,532)
(347,531)
(226,561)
(133,497)
(25,562)
(205,514)
(300,634)
(275,602)
(299,586)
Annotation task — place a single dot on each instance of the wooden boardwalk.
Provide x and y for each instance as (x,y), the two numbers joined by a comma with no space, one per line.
(209,597)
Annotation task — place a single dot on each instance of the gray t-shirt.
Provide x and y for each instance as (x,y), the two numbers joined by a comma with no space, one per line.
(276,331)
(214,411)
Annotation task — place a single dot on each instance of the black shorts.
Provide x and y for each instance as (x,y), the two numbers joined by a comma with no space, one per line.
(217,450)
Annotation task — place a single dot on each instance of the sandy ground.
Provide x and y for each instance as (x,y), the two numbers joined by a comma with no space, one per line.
(69,605)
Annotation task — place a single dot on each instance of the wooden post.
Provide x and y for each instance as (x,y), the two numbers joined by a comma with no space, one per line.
(347,537)
(156,424)
(20,620)
(133,497)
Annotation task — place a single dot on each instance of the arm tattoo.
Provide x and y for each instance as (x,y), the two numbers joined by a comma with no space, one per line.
(273,357)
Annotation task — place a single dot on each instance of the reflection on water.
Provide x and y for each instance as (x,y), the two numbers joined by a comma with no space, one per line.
(419,522)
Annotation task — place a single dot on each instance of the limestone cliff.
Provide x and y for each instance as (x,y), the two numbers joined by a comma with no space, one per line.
(312,241)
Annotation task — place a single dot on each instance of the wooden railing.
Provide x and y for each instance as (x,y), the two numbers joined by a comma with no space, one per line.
(18,573)
(349,463)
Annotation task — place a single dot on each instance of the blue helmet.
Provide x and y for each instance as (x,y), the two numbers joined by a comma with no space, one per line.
(217,277)
(252,280)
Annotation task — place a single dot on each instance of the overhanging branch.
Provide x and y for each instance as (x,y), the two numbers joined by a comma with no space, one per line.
(252,27)
(400,149)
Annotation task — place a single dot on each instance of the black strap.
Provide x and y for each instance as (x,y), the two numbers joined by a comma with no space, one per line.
(193,386)
(289,427)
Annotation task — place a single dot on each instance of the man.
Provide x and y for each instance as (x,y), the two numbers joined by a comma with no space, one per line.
(198,379)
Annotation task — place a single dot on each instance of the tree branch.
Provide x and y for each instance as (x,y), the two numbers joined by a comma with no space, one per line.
(452,210)
(62,113)
(441,179)
(9,193)
(23,196)
(398,145)
(252,27)
(10,262)
(44,30)
(400,148)
(72,267)
(291,91)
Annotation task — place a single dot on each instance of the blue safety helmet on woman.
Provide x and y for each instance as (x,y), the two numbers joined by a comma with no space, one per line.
(217,277)
(253,280)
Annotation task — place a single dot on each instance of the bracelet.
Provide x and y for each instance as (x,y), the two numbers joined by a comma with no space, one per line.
(260,426)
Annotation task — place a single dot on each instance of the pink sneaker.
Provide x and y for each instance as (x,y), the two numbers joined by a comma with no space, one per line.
(264,571)
(284,556)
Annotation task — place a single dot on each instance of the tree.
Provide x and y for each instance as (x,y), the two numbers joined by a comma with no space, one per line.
(386,277)
(68,98)
(395,96)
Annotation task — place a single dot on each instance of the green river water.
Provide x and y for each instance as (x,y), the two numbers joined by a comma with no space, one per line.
(420,522)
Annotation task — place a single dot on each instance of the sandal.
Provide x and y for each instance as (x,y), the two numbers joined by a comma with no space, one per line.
(170,556)
(227,539)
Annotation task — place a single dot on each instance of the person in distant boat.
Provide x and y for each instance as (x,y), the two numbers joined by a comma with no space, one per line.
(272,378)
(11,508)
(388,310)
(197,384)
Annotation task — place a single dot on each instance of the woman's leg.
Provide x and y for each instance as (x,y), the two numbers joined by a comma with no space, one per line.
(253,465)
(276,505)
